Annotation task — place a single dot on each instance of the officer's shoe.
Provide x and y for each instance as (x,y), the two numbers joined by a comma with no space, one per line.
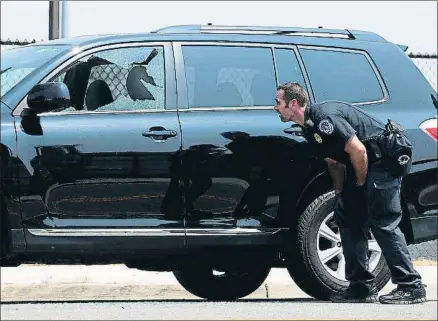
(405,295)
(353,295)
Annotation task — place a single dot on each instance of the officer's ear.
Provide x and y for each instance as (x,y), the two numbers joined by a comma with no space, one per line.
(292,103)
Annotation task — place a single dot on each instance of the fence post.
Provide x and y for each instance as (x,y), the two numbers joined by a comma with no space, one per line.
(53,20)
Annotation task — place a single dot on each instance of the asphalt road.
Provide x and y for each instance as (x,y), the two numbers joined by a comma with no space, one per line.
(197,310)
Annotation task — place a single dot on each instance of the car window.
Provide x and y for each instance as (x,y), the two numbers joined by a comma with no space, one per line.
(288,68)
(229,76)
(121,79)
(339,75)
(17,63)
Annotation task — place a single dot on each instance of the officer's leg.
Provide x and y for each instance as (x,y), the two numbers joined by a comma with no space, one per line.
(383,193)
(351,217)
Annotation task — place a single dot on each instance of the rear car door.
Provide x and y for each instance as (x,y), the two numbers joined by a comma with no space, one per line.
(101,174)
(236,157)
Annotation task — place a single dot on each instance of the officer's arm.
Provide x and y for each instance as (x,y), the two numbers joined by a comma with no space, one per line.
(336,128)
(358,157)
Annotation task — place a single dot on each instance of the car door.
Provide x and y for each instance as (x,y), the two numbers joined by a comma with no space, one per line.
(366,80)
(101,174)
(236,156)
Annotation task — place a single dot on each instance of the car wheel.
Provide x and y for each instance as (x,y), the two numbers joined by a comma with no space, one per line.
(3,235)
(315,257)
(221,286)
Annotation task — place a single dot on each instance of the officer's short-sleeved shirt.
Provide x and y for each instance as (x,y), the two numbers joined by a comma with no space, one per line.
(329,126)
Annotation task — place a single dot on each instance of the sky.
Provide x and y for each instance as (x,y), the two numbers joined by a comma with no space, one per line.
(413,23)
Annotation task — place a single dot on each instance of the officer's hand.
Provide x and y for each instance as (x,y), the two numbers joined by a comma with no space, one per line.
(360,188)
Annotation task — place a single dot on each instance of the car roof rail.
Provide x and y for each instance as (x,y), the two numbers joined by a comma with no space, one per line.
(258,30)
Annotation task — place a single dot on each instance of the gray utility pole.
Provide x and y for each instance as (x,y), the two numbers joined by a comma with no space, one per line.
(54,19)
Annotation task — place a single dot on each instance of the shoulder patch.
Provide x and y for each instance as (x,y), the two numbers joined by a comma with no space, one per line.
(325,126)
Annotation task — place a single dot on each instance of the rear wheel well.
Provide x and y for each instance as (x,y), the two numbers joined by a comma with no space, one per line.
(322,183)
(319,185)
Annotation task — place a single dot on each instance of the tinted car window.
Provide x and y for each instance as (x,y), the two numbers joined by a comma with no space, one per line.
(119,79)
(221,76)
(288,69)
(17,63)
(345,76)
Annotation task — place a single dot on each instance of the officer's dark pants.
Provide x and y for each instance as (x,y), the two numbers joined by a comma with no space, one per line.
(379,209)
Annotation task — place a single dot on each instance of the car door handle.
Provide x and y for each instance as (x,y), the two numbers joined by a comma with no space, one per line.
(159,133)
(294,130)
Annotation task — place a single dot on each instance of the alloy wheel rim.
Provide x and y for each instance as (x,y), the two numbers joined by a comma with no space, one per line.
(330,251)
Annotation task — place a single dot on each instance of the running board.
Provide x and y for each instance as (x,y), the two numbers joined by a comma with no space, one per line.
(62,232)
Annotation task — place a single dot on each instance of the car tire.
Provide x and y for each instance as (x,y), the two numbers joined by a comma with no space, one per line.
(229,286)
(3,234)
(304,255)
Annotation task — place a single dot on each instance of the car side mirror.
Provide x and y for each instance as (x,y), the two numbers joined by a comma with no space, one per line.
(48,97)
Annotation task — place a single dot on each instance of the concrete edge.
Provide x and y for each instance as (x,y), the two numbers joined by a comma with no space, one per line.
(425,262)
(107,292)
(277,286)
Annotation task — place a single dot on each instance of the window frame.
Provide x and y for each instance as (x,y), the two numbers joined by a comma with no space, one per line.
(377,73)
(183,103)
(170,103)
(302,69)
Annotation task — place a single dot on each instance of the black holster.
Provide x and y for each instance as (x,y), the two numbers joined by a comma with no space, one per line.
(393,148)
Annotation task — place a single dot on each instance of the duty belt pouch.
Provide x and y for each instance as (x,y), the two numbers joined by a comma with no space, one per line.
(374,148)
(396,149)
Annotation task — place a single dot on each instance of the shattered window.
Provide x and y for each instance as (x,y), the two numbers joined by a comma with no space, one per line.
(118,80)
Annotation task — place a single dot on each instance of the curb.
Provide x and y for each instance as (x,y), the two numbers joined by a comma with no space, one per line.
(425,262)
(119,283)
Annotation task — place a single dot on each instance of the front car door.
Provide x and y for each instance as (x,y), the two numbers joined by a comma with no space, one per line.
(101,175)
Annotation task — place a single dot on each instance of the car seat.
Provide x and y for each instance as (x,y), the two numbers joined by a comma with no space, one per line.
(98,95)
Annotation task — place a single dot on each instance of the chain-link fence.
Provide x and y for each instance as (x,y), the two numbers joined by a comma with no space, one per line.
(427,63)
(424,251)
(114,76)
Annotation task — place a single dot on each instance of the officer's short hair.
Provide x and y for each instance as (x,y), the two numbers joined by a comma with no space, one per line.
(293,90)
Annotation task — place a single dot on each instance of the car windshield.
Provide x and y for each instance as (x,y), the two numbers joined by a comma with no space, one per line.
(17,63)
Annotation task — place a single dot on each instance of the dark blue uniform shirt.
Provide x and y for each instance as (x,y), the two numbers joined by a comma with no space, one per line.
(329,125)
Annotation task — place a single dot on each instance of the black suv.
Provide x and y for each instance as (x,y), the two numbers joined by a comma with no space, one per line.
(162,151)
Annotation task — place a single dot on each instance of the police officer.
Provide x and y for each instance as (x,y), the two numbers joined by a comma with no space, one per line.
(367,194)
